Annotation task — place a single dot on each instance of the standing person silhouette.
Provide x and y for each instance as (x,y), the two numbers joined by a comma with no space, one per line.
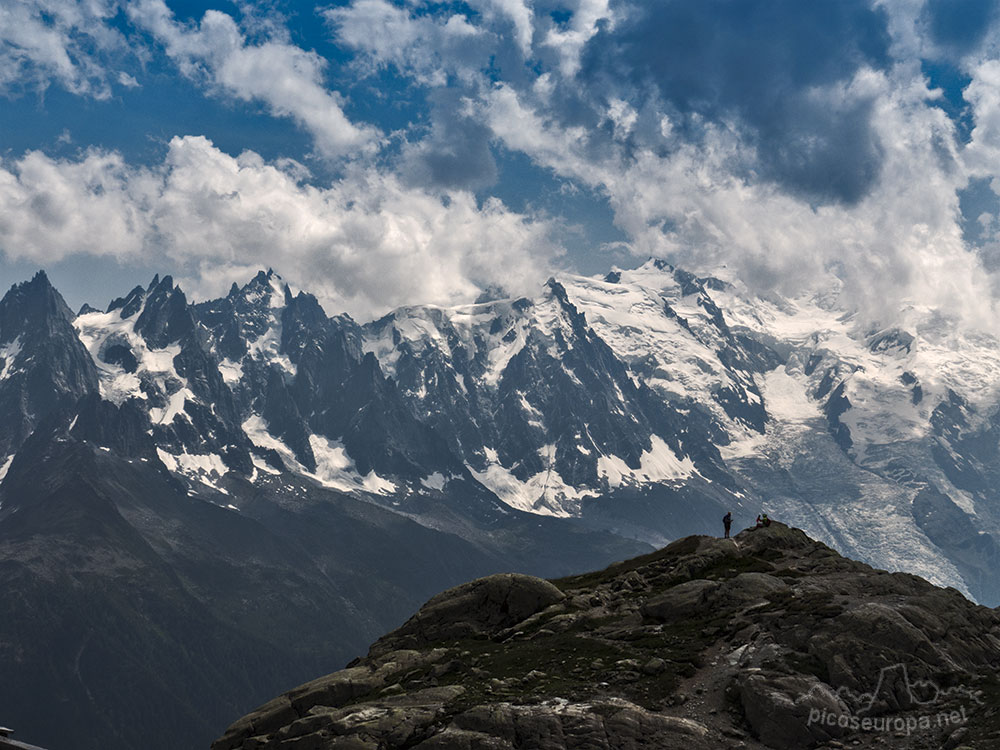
(727,521)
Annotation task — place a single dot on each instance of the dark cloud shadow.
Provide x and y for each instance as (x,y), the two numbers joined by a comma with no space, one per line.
(959,25)
(767,64)
(455,154)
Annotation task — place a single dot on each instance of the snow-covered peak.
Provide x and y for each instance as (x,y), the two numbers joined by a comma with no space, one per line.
(247,323)
(266,289)
(123,357)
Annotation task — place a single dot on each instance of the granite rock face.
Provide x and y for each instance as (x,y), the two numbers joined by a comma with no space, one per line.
(43,365)
(767,640)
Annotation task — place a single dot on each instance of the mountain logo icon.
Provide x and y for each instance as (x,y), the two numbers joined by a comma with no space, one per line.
(895,687)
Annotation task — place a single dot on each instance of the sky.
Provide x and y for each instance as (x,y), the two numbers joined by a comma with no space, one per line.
(383,153)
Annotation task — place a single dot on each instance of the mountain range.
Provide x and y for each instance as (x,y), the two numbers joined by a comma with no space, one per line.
(204,503)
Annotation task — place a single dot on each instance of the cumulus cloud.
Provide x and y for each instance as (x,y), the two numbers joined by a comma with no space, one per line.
(57,40)
(288,79)
(790,142)
(901,245)
(983,94)
(365,244)
(50,209)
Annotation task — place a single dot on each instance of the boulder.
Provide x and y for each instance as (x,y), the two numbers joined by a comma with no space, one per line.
(479,609)
(747,588)
(791,712)
(461,739)
(683,600)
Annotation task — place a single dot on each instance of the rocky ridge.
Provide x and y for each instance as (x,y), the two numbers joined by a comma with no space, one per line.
(766,640)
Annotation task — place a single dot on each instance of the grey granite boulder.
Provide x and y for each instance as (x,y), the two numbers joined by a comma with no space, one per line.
(790,712)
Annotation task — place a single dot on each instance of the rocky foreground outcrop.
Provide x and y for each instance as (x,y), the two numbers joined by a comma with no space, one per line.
(767,640)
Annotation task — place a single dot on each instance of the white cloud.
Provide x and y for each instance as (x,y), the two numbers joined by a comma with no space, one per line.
(50,209)
(568,42)
(983,94)
(126,80)
(697,191)
(518,13)
(288,79)
(60,40)
(523,128)
(424,47)
(365,245)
